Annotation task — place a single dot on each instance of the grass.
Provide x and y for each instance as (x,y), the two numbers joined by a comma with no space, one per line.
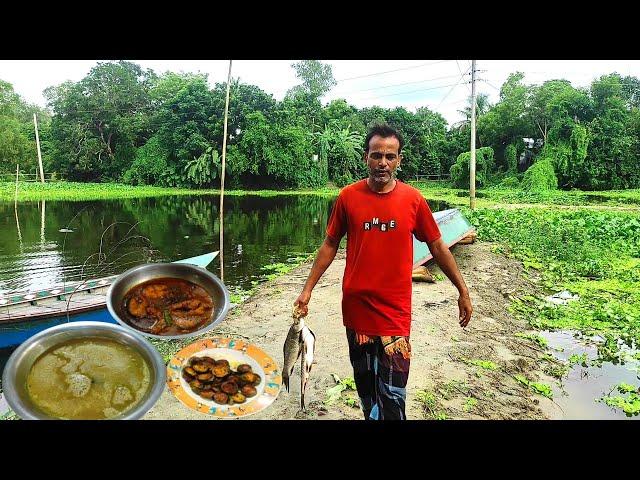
(76,191)
(430,405)
(486,197)
(495,197)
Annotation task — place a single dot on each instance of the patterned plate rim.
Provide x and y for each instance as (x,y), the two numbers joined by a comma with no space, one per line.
(273,378)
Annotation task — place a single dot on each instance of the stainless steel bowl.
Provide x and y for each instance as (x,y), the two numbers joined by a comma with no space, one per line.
(14,377)
(192,273)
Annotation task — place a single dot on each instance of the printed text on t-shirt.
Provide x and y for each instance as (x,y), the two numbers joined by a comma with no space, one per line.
(376,223)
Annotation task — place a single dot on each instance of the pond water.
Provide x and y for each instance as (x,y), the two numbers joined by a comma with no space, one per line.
(258,231)
(584,385)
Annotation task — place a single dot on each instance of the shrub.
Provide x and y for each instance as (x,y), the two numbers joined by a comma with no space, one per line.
(510,182)
(511,158)
(540,177)
(460,169)
(149,166)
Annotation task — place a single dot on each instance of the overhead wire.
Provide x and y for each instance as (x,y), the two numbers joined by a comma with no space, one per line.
(399,84)
(441,101)
(391,71)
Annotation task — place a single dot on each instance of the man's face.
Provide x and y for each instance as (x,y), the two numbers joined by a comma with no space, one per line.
(382,158)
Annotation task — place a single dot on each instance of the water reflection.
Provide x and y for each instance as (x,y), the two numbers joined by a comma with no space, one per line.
(584,385)
(258,231)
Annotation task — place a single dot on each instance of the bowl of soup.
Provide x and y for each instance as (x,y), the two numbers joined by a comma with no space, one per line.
(84,371)
(168,300)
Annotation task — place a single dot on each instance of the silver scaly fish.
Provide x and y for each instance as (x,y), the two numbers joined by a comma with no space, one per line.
(292,350)
(308,343)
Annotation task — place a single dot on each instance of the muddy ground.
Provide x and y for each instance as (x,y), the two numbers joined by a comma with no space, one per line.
(443,383)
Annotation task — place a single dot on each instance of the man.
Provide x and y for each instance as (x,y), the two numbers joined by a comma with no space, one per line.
(379,215)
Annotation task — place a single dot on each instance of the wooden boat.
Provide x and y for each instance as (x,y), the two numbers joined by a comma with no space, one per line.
(24,315)
(453,227)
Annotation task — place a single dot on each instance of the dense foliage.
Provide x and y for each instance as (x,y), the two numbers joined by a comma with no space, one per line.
(540,177)
(460,169)
(123,123)
(594,254)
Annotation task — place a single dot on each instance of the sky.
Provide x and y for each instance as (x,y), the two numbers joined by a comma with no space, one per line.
(441,85)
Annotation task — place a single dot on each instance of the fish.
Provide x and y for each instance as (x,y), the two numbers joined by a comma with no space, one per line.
(308,344)
(292,350)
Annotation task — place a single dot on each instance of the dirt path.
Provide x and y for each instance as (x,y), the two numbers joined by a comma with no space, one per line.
(441,373)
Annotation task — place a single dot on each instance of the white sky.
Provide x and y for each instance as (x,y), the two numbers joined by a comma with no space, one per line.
(427,83)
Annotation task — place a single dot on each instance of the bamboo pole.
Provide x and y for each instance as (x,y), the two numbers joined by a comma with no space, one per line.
(224,157)
(35,123)
(42,219)
(15,196)
(15,207)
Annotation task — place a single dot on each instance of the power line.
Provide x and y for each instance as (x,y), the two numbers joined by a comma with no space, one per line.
(452,88)
(460,70)
(443,99)
(411,91)
(398,84)
(390,71)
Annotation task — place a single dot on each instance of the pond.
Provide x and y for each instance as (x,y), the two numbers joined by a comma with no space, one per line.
(258,231)
(589,380)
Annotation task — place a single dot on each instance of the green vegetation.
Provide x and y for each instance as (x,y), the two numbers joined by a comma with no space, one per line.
(430,405)
(578,359)
(123,123)
(537,387)
(484,364)
(540,177)
(533,337)
(629,404)
(334,394)
(469,404)
(593,254)
(75,191)
(484,165)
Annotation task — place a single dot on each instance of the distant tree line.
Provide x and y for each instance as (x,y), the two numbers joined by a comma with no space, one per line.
(122,123)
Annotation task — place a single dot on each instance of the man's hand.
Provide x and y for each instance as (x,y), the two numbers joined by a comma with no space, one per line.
(464,304)
(301,303)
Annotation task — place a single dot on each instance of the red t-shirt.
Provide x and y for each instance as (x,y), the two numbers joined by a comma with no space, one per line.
(376,288)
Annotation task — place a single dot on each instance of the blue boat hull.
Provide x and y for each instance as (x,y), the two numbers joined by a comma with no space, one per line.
(12,335)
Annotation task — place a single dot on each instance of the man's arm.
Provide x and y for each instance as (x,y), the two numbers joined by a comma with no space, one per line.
(325,256)
(447,264)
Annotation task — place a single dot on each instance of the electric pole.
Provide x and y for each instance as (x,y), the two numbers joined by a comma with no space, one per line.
(35,123)
(472,164)
(224,157)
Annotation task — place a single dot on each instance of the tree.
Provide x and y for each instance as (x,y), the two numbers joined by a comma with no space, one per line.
(507,122)
(202,171)
(100,121)
(611,160)
(482,107)
(555,107)
(317,78)
(341,152)
(17,132)
(243,100)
